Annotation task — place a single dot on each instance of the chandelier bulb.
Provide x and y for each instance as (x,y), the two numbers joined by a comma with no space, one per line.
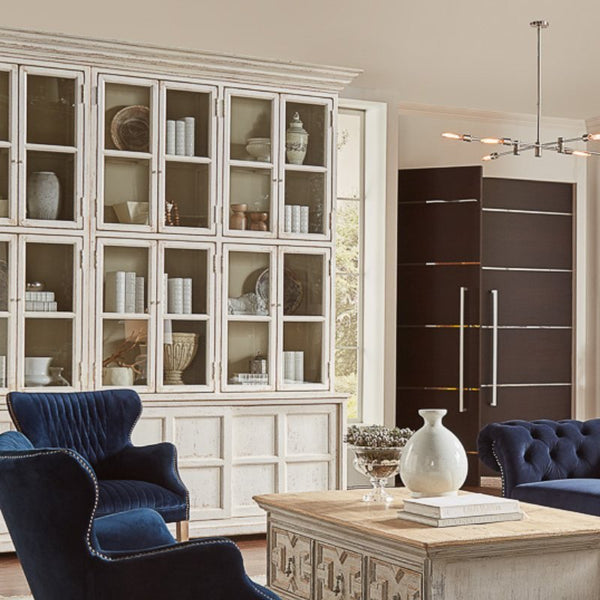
(492,156)
(491,140)
(452,136)
(592,136)
(582,153)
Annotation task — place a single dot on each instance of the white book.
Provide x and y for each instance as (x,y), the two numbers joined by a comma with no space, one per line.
(456,521)
(114,292)
(140,302)
(296,218)
(304,218)
(289,365)
(463,505)
(180,137)
(187,296)
(190,136)
(175,286)
(299,366)
(130,292)
(170,149)
(287,221)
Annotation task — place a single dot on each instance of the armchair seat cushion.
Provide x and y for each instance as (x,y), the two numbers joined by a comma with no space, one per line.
(579,495)
(118,495)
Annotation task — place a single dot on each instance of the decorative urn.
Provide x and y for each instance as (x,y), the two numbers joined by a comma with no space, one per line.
(296,141)
(43,195)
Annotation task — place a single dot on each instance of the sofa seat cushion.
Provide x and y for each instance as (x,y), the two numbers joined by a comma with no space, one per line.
(118,495)
(579,495)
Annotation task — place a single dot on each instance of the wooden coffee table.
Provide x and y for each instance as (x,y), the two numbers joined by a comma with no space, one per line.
(332,546)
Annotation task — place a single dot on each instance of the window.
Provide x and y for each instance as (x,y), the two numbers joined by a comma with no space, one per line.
(349,259)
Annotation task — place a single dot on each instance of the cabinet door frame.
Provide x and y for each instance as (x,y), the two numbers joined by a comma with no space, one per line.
(326,342)
(327,169)
(11,314)
(149,317)
(76,315)
(162,308)
(81,76)
(228,163)
(103,78)
(12,145)
(271,320)
(212,161)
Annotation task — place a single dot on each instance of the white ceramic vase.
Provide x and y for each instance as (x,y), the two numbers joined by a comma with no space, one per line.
(36,370)
(178,356)
(120,376)
(43,195)
(434,462)
(296,141)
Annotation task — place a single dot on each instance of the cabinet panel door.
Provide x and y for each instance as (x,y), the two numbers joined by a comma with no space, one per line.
(527,297)
(519,194)
(291,563)
(338,573)
(391,582)
(429,357)
(528,356)
(527,240)
(429,294)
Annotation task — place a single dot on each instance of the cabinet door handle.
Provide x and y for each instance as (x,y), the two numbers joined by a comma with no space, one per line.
(461,350)
(494,401)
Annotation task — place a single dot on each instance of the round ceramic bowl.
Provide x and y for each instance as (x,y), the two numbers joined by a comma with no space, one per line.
(259,149)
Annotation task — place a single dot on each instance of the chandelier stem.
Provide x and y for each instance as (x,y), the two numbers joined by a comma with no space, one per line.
(538,148)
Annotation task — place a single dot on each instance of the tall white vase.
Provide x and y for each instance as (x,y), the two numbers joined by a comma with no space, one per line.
(434,462)
(43,195)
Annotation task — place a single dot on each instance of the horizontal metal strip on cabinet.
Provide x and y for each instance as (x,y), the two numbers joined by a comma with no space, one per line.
(528,212)
(434,388)
(440,201)
(439,264)
(527,269)
(457,326)
(526,327)
(520,385)
(438,326)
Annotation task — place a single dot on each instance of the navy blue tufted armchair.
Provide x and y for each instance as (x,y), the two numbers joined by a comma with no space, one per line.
(98,426)
(553,463)
(48,499)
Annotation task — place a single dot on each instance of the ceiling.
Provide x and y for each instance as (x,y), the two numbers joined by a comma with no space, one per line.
(475,54)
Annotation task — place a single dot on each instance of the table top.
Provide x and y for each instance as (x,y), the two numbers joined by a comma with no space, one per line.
(346,509)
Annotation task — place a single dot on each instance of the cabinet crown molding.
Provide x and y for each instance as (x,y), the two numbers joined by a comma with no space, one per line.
(161,60)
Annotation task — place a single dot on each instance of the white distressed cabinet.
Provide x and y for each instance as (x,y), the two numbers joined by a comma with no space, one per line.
(165,247)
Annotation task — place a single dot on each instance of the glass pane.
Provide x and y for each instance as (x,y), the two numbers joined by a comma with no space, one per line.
(249,289)
(3,351)
(127,117)
(186,281)
(4,274)
(306,133)
(187,194)
(251,129)
(126,191)
(303,284)
(304,202)
(50,110)
(125,359)
(302,353)
(349,155)
(250,199)
(184,353)
(248,348)
(189,137)
(50,188)
(4,181)
(125,279)
(48,345)
(346,378)
(348,239)
(4,106)
(49,277)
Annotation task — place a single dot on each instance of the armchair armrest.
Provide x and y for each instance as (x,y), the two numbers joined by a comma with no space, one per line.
(209,568)
(156,464)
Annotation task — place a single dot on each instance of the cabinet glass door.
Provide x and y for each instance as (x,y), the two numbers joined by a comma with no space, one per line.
(127,296)
(8,307)
(185,309)
(127,161)
(306,129)
(251,175)
(303,307)
(51,309)
(8,144)
(51,147)
(249,298)
(187,158)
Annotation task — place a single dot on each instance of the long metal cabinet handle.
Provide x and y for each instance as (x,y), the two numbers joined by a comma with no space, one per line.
(461,352)
(494,294)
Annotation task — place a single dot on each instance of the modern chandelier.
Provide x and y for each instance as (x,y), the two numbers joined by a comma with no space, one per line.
(517,146)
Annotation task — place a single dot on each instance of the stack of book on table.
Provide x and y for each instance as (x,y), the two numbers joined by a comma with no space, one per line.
(465,509)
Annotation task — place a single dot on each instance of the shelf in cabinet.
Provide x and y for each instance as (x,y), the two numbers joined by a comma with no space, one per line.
(195,160)
(127,154)
(51,148)
(185,317)
(306,168)
(251,165)
(249,318)
(4,144)
(5,314)
(303,319)
(125,316)
(55,314)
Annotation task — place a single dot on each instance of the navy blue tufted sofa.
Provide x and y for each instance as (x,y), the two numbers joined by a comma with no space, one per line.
(553,463)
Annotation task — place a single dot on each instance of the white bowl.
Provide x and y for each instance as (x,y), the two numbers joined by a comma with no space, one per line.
(132,212)
(259,149)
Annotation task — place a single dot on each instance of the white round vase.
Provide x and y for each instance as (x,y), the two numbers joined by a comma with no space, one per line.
(43,195)
(36,370)
(296,141)
(434,462)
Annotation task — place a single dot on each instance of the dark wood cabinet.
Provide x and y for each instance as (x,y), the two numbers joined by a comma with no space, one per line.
(490,259)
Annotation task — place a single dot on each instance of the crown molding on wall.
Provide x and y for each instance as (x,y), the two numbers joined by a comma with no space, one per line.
(405,108)
(21,44)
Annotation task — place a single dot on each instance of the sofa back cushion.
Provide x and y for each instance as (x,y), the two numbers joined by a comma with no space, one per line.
(94,424)
(530,451)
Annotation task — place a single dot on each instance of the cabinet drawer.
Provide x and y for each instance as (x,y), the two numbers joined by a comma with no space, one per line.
(291,565)
(390,582)
(338,573)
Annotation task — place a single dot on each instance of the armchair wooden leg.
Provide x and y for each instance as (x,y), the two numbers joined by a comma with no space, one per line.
(183,531)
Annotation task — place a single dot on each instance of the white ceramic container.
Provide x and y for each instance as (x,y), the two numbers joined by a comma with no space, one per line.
(296,141)
(120,376)
(36,370)
(259,149)
(434,462)
(43,195)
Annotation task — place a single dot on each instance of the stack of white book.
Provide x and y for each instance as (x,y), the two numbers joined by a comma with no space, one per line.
(124,292)
(465,509)
(40,301)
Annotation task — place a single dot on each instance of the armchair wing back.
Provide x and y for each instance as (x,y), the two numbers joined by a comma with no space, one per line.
(533,451)
(97,425)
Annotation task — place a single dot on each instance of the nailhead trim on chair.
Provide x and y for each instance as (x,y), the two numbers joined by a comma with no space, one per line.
(500,468)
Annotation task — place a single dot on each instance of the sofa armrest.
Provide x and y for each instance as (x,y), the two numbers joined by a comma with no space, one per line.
(156,464)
